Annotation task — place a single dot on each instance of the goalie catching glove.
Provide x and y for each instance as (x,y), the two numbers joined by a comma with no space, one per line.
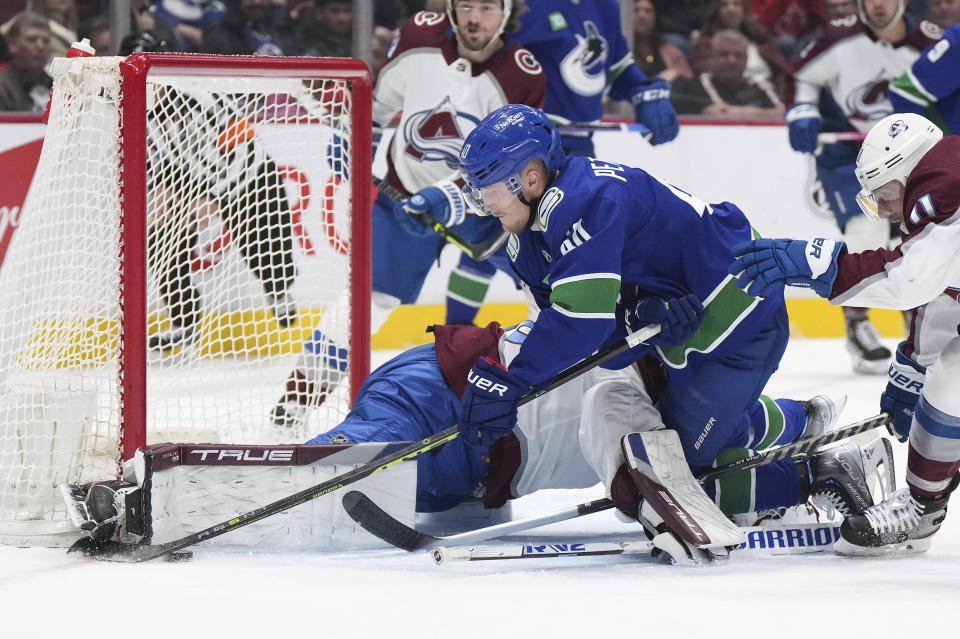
(103,509)
(763,266)
(442,201)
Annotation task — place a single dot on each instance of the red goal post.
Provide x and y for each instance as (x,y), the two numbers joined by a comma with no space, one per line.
(226,194)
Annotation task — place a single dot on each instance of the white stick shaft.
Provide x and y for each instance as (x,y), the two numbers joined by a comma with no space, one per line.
(761,541)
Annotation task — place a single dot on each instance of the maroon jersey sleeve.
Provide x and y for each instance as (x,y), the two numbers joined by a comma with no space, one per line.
(459,347)
(932,197)
(520,75)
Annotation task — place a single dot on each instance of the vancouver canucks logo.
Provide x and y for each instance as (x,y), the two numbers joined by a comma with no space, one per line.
(437,134)
(584,69)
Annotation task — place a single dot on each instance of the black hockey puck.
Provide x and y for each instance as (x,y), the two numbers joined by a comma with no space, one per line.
(185,555)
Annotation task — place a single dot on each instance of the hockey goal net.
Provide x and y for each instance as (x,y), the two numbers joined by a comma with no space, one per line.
(192,221)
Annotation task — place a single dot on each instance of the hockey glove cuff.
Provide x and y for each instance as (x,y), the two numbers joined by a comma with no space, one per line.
(652,106)
(488,408)
(804,123)
(442,201)
(679,318)
(905,380)
(763,266)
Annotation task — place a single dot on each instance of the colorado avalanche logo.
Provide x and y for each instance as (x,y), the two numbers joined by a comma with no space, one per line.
(427,18)
(584,69)
(437,134)
(897,128)
(868,102)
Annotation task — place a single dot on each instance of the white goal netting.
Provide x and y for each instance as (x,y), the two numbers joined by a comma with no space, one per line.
(242,217)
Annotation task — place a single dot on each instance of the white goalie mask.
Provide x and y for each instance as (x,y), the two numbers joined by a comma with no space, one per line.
(891,150)
(507,10)
(901,8)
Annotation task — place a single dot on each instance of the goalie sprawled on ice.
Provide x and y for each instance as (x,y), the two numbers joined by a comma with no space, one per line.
(569,439)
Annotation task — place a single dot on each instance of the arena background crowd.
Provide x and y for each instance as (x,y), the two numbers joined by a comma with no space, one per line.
(748,44)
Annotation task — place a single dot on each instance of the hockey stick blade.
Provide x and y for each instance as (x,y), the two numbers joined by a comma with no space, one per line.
(143,553)
(479,252)
(379,523)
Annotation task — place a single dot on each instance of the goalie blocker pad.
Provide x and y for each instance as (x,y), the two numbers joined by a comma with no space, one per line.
(188,487)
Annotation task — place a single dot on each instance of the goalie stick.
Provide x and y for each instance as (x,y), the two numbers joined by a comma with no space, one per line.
(791,539)
(379,523)
(479,252)
(129,553)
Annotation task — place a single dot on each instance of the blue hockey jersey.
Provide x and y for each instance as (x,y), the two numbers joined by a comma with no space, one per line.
(583,52)
(607,235)
(931,87)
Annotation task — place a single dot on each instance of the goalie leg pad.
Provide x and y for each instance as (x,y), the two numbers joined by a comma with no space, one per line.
(659,468)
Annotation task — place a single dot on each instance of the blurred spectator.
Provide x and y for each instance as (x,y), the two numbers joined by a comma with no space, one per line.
(379,46)
(654,55)
(179,23)
(391,14)
(438,6)
(678,19)
(4,51)
(837,9)
(249,27)
(789,21)
(24,85)
(97,30)
(61,18)
(764,60)
(324,28)
(943,13)
(726,90)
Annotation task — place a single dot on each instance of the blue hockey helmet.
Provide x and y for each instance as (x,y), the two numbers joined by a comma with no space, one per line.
(499,148)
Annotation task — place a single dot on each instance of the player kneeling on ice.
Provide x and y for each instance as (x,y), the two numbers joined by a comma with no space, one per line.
(909,174)
(602,244)
(598,428)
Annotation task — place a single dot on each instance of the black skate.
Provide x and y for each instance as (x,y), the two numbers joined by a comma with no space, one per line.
(284,309)
(842,477)
(904,523)
(176,336)
(299,397)
(870,357)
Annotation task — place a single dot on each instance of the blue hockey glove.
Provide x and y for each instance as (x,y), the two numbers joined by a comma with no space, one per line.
(904,383)
(679,318)
(488,409)
(651,103)
(804,123)
(442,200)
(764,266)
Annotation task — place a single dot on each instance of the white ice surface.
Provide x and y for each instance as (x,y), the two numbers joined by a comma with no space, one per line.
(389,593)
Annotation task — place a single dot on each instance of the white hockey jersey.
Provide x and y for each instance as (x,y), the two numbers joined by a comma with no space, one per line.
(441,97)
(856,68)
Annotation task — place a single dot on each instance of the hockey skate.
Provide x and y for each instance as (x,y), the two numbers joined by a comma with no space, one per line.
(822,413)
(284,309)
(870,357)
(300,396)
(904,523)
(176,336)
(844,478)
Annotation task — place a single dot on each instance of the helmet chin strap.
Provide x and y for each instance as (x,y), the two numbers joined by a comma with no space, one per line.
(901,8)
(535,203)
(507,10)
